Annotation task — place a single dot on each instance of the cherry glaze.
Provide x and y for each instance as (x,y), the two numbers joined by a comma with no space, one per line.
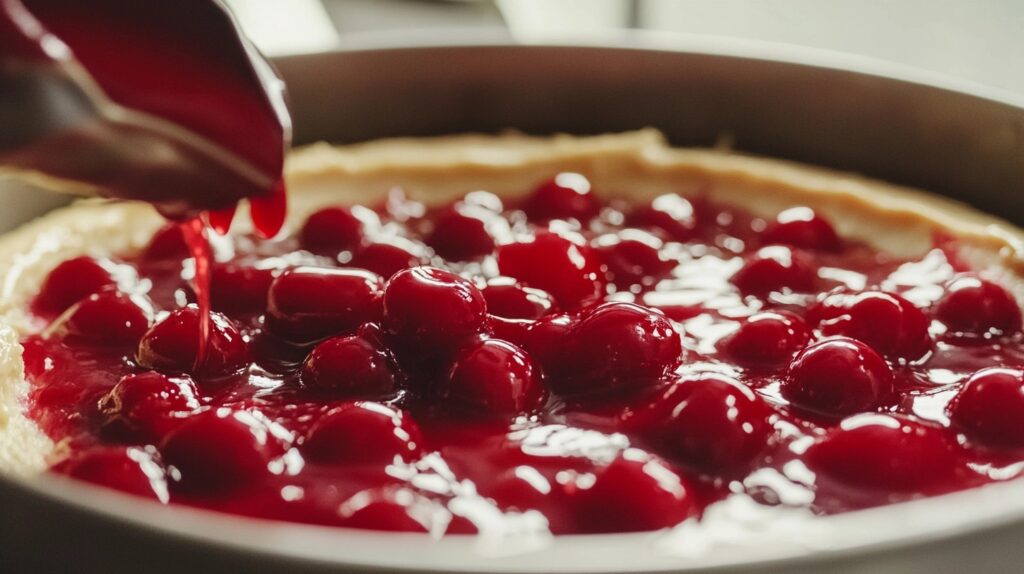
(560,382)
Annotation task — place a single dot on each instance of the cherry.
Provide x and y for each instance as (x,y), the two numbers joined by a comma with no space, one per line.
(385,257)
(238,289)
(620,344)
(547,341)
(889,323)
(428,310)
(802,227)
(977,307)
(633,494)
(72,281)
(568,270)
(148,405)
(363,433)
(309,304)
(167,243)
(460,233)
(350,367)
(508,299)
(566,196)
(105,319)
(767,339)
(131,470)
(990,407)
(671,214)
(172,345)
(331,230)
(495,376)
(712,423)
(391,509)
(633,257)
(884,452)
(775,268)
(837,376)
(221,449)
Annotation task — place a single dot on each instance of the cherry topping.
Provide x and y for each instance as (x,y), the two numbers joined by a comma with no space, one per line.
(620,344)
(132,470)
(990,407)
(239,289)
(220,449)
(389,508)
(767,339)
(350,367)
(884,452)
(547,341)
(633,257)
(172,345)
(508,299)
(711,423)
(497,377)
(308,304)
(671,214)
(567,196)
(386,257)
(564,268)
(148,405)
(889,323)
(72,281)
(427,310)
(775,268)
(633,494)
(105,319)
(167,243)
(802,227)
(331,230)
(977,307)
(460,233)
(838,376)
(363,433)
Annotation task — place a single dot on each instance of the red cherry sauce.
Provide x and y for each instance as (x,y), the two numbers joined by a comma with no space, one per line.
(606,366)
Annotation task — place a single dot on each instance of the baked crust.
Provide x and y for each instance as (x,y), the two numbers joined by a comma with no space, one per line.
(637,165)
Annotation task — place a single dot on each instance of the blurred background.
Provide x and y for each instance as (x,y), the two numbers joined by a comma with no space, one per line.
(981,41)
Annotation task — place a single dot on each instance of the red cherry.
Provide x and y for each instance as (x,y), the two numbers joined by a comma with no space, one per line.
(838,376)
(497,377)
(389,508)
(567,196)
(460,233)
(386,257)
(884,452)
(712,423)
(564,268)
(238,289)
(72,281)
(148,405)
(172,344)
(548,342)
(132,470)
(349,367)
(331,230)
(889,323)
(767,339)
(976,307)
(618,345)
(508,299)
(671,214)
(221,449)
(167,243)
(633,257)
(428,310)
(802,227)
(308,304)
(990,407)
(363,433)
(105,319)
(775,268)
(633,494)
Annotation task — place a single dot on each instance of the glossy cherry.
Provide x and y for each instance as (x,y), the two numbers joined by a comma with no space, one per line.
(237,289)
(132,470)
(350,367)
(976,307)
(146,406)
(363,433)
(775,268)
(767,339)
(331,230)
(990,407)
(495,377)
(838,376)
(309,304)
(670,214)
(511,300)
(389,508)
(633,257)
(105,319)
(887,322)
(566,196)
(71,281)
(385,257)
(168,243)
(802,227)
(172,346)
(460,233)
(568,270)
